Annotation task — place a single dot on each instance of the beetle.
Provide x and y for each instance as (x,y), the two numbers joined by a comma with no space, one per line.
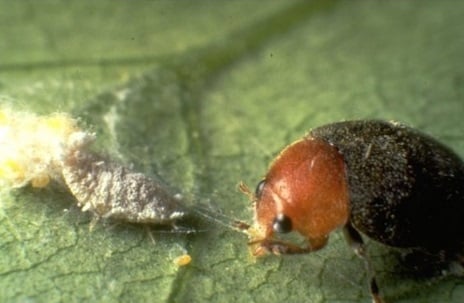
(383,180)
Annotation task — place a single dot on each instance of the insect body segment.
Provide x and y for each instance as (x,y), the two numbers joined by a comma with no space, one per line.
(408,191)
(110,190)
(305,190)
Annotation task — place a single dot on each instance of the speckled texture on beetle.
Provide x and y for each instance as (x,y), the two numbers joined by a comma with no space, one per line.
(406,188)
(385,180)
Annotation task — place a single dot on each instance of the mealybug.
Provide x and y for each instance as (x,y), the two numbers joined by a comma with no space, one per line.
(35,149)
(110,190)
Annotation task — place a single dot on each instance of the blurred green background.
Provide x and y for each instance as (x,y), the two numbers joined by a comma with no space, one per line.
(203,94)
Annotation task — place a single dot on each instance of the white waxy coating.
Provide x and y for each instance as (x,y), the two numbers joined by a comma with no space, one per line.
(35,149)
(110,190)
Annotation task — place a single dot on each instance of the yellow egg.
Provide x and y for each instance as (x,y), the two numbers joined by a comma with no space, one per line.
(183,260)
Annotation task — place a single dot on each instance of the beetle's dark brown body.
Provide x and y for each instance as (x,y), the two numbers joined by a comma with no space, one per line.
(383,179)
(405,188)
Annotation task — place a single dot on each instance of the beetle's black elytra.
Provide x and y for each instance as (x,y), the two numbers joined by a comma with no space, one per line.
(385,180)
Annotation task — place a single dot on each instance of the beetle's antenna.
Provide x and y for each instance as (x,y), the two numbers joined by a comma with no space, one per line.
(247,191)
(221,219)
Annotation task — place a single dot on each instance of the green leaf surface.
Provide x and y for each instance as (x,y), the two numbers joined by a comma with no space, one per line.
(201,95)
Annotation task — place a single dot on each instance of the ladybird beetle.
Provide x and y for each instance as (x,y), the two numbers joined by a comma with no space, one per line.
(385,180)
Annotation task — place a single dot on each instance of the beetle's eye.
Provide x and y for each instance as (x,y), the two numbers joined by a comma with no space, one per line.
(282,224)
(259,188)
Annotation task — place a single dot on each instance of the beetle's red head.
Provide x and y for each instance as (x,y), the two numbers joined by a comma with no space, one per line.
(305,190)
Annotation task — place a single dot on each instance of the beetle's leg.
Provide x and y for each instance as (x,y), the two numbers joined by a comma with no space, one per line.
(241,226)
(277,247)
(357,244)
(288,249)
